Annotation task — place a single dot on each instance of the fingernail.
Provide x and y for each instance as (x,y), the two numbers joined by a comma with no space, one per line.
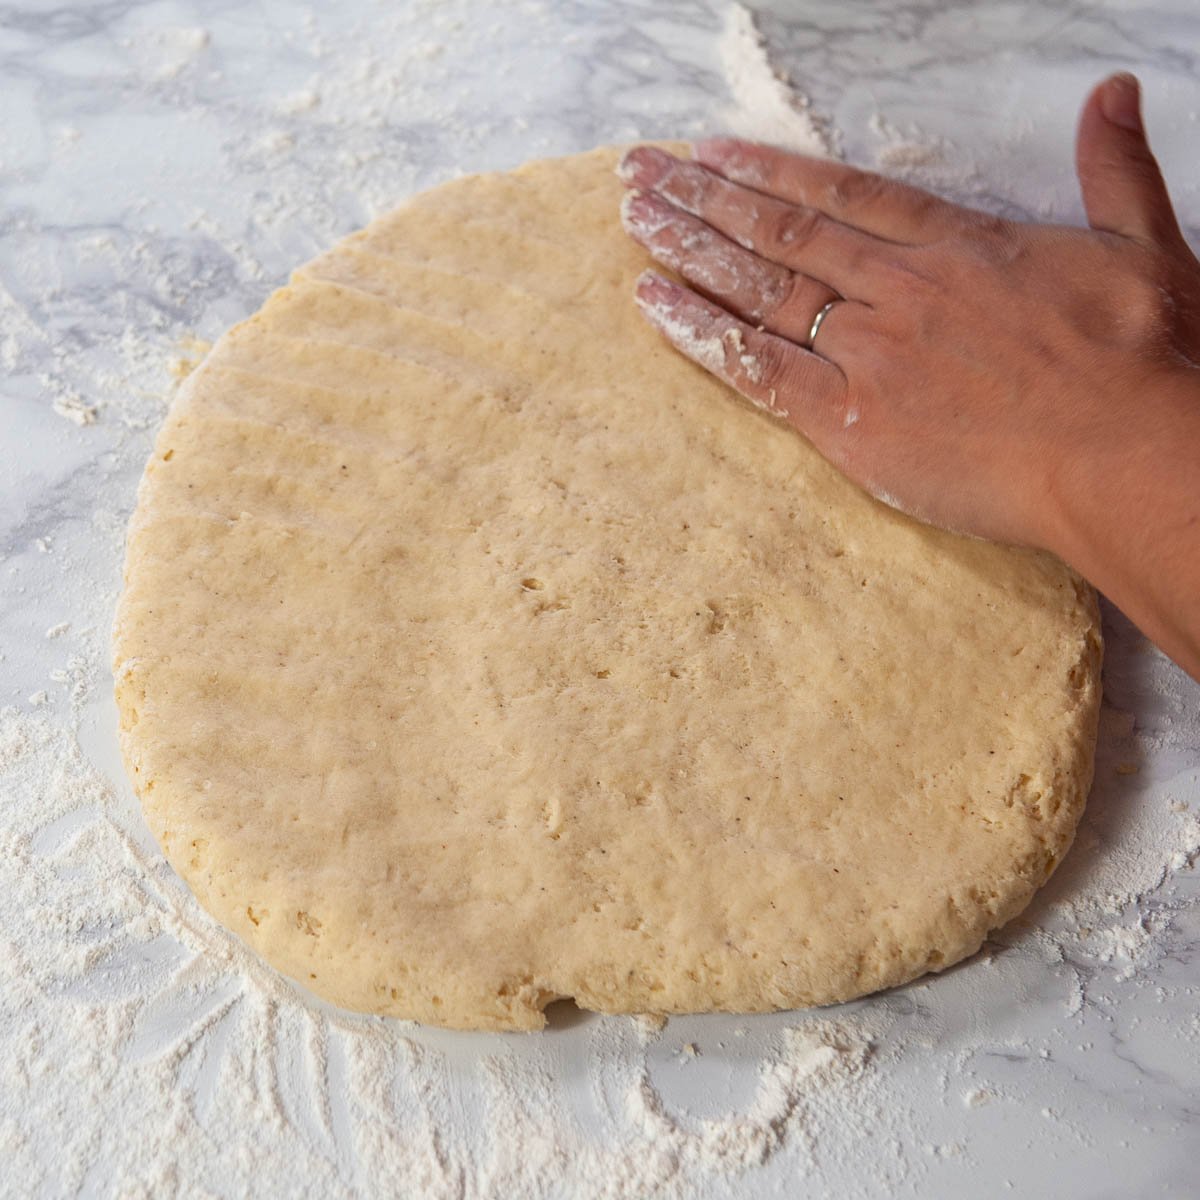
(644,214)
(630,216)
(643,166)
(655,291)
(1120,102)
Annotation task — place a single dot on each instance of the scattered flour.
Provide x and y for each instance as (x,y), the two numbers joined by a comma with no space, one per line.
(165,52)
(298,102)
(74,408)
(648,1027)
(1122,946)
(765,105)
(905,149)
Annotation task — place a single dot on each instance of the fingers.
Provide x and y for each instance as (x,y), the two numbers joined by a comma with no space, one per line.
(1123,189)
(802,239)
(861,199)
(756,290)
(772,373)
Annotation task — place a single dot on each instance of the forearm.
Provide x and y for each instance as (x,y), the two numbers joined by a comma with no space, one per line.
(1128,518)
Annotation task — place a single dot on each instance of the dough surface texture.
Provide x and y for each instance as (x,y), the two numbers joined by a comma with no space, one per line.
(477,649)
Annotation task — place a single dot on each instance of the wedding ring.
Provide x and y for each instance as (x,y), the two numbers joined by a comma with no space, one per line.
(816,325)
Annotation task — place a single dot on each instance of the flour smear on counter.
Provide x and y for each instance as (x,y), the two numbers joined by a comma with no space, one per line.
(145,1053)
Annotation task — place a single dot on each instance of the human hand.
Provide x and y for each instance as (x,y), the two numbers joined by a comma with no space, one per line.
(973,371)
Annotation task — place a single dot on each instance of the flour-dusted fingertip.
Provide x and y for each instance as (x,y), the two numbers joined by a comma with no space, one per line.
(626,166)
(628,210)
(644,214)
(644,166)
(638,214)
(656,295)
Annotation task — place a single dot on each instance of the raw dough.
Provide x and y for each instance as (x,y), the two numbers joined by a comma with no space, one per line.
(477,649)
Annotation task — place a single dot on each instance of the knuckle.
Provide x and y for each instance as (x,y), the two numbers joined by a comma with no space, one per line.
(792,227)
(772,367)
(996,242)
(860,189)
(926,206)
(1147,309)
(768,289)
(780,373)
(886,343)
(988,238)
(990,227)
(914,284)
(1139,169)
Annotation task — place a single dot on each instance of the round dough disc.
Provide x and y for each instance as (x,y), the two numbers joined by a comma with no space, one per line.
(477,650)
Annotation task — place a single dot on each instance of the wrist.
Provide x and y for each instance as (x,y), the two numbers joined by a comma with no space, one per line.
(1126,512)
(1130,474)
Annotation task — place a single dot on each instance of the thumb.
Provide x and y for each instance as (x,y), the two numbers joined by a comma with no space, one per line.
(1123,189)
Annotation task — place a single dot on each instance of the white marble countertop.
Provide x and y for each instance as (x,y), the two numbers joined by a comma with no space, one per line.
(162,166)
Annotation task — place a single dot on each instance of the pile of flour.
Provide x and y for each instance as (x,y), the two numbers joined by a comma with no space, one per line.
(763,104)
(146,1052)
